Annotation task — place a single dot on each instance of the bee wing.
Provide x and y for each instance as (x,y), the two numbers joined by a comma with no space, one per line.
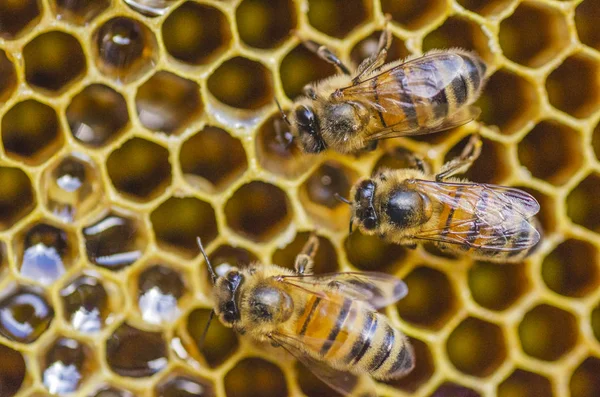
(489,216)
(343,382)
(377,289)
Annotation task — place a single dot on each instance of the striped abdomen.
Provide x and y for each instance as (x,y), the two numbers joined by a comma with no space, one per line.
(352,337)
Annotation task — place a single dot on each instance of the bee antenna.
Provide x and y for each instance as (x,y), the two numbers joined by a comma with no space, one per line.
(205,332)
(283,115)
(342,199)
(213,275)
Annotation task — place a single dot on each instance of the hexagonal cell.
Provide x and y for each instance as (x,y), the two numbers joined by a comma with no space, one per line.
(586,19)
(31,132)
(196,33)
(570,87)
(45,252)
(572,268)
(255,377)
(486,7)
(424,369)
(109,391)
(159,288)
(585,381)
(300,67)
(258,211)
(242,83)
(431,300)
(79,12)
(370,253)
(66,365)
(312,386)
(151,8)
(8,77)
(220,342)
(227,256)
(136,353)
(541,338)
(17,17)
(508,101)
(596,322)
(185,385)
(53,60)
(124,49)
(72,187)
(476,347)
(534,34)
(583,202)
(497,287)
(395,158)
(326,260)
(368,46)
(167,103)
(337,18)
(115,241)
(97,115)
(139,169)
(448,389)
(414,14)
(178,221)
(212,159)
(12,370)
(85,304)
(459,33)
(317,194)
(491,166)
(25,314)
(596,141)
(265,24)
(16,196)
(526,384)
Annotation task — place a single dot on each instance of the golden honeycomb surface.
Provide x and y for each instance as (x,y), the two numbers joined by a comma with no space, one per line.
(130,127)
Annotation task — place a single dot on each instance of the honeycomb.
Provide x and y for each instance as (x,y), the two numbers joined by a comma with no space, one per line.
(130,127)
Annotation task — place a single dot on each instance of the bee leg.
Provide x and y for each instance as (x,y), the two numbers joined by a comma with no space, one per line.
(305,259)
(372,145)
(326,54)
(462,163)
(376,60)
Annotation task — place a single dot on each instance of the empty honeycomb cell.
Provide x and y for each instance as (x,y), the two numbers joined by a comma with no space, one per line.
(195,33)
(508,102)
(25,314)
(490,167)
(448,389)
(422,372)
(85,303)
(596,322)
(45,252)
(184,385)
(136,353)
(258,211)
(368,46)
(459,33)
(79,12)
(265,24)
(414,14)
(585,381)
(16,17)
(586,17)
(178,221)
(255,377)
(124,49)
(212,159)
(301,67)
(72,187)
(395,158)
(53,60)
(140,169)
(541,338)
(115,241)
(159,289)
(370,253)
(583,203)
(312,386)
(12,371)
(487,7)
(525,384)
(431,300)
(476,347)
(572,268)
(497,287)
(8,77)
(533,34)
(97,115)
(326,260)
(31,132)
(65,366)
(16,196)
(220,342)
(337,18)
(167,103)
(242,83)
(571,86)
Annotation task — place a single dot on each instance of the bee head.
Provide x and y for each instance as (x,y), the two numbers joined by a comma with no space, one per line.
(226,294)
(408,208)
(364,210)
(306,128)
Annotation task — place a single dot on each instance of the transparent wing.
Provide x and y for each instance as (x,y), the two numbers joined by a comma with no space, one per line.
(377,289)
(489,216)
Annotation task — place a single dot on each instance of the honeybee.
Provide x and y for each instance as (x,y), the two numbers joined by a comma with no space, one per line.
(353,110)
(329,322)
(407,206)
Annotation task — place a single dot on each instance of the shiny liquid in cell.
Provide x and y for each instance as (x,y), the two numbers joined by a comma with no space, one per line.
(85,304)
(45,254)
(185,386)
(64,366)
(24,316)
(328,180)
(159,289)
(151,8)
(112,392)
(80,11)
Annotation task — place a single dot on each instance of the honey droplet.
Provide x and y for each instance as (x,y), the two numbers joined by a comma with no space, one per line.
(151,8)
(85,304)
(24,316)
(64,366)
(185,386)
(159,289)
